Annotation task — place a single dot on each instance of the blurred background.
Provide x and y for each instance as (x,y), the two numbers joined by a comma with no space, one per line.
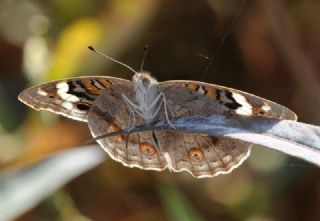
(273,50)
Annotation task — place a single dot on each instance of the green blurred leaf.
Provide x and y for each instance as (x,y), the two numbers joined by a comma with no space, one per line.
(177,206)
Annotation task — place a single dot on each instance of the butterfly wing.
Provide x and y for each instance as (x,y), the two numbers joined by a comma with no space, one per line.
(98,100)
(193,97)
(110,113)
(69,97)
(199,154)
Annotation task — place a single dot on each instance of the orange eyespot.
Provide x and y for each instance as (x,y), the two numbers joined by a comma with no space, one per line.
(113,128)
(147,149)
(196,154)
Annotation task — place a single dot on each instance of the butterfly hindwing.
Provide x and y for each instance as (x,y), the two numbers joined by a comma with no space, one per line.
(199,154)
(69,97)
(110,114)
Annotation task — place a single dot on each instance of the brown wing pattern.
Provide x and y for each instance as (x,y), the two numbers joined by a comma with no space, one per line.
(202,98)
(98,101)
(199,154)
(69,97)
(132,150)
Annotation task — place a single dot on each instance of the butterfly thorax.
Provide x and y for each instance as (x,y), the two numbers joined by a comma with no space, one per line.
(146,88)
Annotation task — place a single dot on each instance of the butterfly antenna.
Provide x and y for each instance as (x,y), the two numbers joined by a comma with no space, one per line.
(229,29)
(301,165)
(203,56)
(145,51)
(112,59)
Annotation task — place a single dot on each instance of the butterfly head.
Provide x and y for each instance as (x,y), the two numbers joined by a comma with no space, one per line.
(143,82)
(146,88)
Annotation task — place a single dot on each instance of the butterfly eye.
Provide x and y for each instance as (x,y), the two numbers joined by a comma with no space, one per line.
(147,149)
(196,154)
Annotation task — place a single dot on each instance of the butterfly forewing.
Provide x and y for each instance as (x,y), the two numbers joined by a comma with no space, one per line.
(69,97)
(201,98)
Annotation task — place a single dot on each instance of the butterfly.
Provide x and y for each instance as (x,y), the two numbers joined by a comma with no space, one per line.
(110,104)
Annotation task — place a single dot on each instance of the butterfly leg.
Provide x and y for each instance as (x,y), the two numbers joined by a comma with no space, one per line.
(132,107)
(166,107)
(163,102)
